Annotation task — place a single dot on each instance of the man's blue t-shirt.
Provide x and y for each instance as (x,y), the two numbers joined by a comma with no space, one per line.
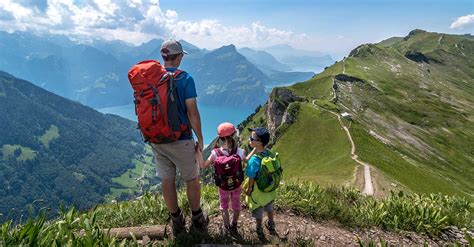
(186,90)
(253,166)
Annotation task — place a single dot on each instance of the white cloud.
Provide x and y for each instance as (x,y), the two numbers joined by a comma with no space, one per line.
(211,33)
(463,21)
(135,21)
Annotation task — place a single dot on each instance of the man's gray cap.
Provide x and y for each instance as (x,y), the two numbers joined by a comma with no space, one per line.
(172,47)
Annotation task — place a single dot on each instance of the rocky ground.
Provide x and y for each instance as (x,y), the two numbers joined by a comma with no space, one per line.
(293,229)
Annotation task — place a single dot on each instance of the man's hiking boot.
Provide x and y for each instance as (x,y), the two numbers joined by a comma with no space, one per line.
(199,222)
(178,224)
(271,227)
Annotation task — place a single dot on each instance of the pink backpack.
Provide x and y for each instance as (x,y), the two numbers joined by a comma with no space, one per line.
(228,173)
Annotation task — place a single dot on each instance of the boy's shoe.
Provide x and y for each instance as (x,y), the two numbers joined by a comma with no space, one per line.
(260,231)
(271,227)
(179,224)
(200,222)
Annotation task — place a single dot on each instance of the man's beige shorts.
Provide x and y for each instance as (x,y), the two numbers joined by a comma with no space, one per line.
(180,154)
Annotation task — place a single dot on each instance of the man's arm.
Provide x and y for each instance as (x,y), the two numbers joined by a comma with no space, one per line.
(195,120)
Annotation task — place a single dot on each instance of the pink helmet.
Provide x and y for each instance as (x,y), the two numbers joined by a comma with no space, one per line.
(225,129)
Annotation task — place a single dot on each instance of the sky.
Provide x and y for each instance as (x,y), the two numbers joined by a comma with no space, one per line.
(334,27)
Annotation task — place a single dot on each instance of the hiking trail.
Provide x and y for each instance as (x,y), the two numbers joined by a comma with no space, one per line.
(368,185)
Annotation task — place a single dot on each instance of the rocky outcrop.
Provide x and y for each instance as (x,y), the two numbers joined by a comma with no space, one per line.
(278,111)
(289,117)
(348,78)
(290,114)
(419,57)
(279,100)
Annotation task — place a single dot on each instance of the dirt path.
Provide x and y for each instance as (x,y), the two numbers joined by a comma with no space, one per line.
(368,185)
(344,66)
(294,230)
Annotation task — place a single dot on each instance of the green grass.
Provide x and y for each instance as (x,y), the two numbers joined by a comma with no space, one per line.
(408,212)
(429,103)
(326,104)
(325,158)
(129,178)
(429,214)
(401,97)
(388,160)
(51,134)
(319,87)
(25,154)
(432,102)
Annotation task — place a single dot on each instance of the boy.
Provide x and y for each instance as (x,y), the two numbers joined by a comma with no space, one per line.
(257,200)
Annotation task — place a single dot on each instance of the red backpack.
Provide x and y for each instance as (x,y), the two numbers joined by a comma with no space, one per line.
(228,172)
(156,102)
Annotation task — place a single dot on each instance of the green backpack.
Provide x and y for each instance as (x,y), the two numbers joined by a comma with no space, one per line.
(270,173)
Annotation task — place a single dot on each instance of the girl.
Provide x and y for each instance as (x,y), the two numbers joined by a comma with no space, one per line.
(227,159)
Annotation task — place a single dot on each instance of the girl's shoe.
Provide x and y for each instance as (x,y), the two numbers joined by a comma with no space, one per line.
(233,228)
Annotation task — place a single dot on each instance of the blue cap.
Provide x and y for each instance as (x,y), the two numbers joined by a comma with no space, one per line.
(262,133)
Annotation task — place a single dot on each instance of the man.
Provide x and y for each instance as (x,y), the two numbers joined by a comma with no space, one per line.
(181,154)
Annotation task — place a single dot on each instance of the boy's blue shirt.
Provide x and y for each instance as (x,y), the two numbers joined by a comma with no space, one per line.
(186,90)
(253,166)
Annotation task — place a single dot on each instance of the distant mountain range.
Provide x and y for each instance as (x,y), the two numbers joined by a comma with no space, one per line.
(300,60)
(277,72)
(58,151)
(95,73)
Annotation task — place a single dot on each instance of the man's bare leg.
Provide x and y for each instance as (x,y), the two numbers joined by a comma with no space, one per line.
(170,195)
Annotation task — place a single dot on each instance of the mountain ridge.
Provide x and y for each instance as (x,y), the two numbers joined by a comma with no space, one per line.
(411,108)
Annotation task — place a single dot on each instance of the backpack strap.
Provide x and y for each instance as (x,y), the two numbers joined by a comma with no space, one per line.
(218,152)
(261,156)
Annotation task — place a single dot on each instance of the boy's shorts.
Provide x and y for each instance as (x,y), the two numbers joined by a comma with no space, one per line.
(180,154)
(230,195)
(258,213)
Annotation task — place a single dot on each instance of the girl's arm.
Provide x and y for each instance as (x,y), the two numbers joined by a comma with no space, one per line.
(247,158)
(205,164)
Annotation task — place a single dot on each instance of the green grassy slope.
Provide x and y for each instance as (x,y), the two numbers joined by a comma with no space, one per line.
(411,99)
(425,109)
(319,150)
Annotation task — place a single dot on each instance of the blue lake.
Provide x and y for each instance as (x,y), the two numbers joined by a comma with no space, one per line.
(211,116)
